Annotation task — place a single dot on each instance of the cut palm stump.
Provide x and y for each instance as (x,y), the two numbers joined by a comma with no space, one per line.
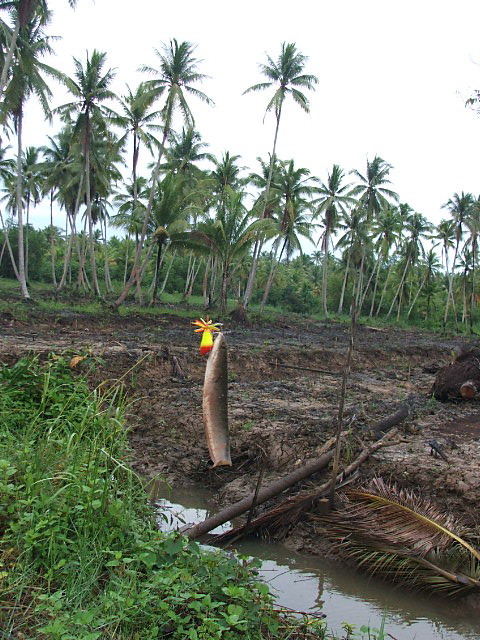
(215,404)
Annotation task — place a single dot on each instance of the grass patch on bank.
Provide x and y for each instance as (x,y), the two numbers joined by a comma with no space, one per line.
(80,554)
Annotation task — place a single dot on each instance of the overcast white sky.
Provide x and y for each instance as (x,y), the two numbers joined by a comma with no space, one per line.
(393,79)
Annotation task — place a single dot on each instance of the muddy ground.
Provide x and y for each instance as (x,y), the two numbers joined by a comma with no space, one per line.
(279,416)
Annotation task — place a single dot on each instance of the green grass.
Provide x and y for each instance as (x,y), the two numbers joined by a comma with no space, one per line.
(80,554)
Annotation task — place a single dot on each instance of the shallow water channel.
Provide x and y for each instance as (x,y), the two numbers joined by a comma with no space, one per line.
(315,585)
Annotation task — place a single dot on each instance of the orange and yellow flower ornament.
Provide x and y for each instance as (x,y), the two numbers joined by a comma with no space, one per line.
(206,327)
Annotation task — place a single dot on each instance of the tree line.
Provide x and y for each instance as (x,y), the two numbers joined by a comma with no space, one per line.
(228,231)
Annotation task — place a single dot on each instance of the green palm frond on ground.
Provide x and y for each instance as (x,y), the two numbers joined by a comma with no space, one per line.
(397,534)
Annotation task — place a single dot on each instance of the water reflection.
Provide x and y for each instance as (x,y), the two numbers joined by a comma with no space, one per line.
(316,585)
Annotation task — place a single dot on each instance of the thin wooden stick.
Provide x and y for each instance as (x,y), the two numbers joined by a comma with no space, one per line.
(291,366)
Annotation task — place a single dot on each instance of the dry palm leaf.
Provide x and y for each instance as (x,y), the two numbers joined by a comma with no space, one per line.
(396,533)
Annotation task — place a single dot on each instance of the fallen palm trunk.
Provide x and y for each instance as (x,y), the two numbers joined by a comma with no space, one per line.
(393,419)
(215,404)
(287,513)
(277,487)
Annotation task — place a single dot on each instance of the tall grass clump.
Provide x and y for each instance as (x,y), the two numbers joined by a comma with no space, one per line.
(80,555)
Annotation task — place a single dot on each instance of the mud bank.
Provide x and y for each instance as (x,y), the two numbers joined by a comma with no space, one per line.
(284,385)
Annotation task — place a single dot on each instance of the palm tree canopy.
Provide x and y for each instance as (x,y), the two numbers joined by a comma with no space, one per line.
(374,195)
(286,74)
(177,72)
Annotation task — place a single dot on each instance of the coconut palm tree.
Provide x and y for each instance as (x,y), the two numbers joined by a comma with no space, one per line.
(371,190)
(32,185)
(228,237)
(169,219)
(176,76)
(386,231)
(459,207)
(418,228)
(295,188)
(90,88)
(333,202)
(353,242)
(431,267)
(286,76)
(131,203)
(445,231)
(26,80)
(473,226)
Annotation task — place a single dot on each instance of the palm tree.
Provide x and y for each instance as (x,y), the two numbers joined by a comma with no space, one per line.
(431,268)
(446,232)
(228,237)
(371,191)
(295,191)
(176,75)
(374,196)
(62,169)
(226,173)
(459,207)
(285,75)
(90,87)
(333,202)
(353,241)
(32,185)
(185,151)
(168,219)
(26,79)
(473,225)
(386,230)
(417,227)
(130,215)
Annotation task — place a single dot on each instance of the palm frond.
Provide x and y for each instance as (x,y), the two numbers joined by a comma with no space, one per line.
(396,533)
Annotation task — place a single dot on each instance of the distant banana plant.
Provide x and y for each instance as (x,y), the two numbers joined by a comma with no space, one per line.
(396,534)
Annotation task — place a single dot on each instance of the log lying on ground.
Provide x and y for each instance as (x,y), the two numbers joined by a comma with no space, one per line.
(288,512)
(393,419)
(265,494)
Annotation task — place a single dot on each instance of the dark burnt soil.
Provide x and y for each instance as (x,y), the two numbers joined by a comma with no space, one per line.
(277,412)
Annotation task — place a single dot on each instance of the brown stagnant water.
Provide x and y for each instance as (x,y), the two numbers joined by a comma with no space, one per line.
(315,585)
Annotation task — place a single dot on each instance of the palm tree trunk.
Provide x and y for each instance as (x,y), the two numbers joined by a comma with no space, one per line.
(375,286)
(165,280)
(52,242)
(223,290)
(108,280)
(417,294)
(26,239)
(271,275)
(205,282)
(127,244)
(68,254)
(258,244)
(9,247)
(344,285)
(19,203)
(192,280)
(450,292)
(474,271)
(384,290)
(136,262)
(325,270)
(360,282)
(91,238)
(82,256)
(400,286)
(9,56)
(157,272)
